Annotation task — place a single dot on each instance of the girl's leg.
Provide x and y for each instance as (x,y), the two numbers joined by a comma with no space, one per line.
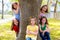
(17,34)
(42,36)
(34,38)
(47,35)
(28,38)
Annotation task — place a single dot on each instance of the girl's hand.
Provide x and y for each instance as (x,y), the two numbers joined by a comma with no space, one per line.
(43,33)
(28,32)
(33,33)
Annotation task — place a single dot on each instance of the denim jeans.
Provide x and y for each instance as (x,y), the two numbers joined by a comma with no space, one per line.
(28,38)
(45,36)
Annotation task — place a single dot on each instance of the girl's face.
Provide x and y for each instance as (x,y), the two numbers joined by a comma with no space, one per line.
(33,21)
(15,5)
(43,21)
(44,8)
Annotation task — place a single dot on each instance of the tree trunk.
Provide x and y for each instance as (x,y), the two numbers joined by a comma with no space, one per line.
(2,8)
(55,9)
(28,8)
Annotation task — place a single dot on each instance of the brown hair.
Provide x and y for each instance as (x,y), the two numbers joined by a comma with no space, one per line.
(42,19)
(14,24)
(13,5)
(43,7)
(17,21)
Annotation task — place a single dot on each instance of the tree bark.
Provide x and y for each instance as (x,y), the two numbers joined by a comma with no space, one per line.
(28,8)
(55,9)
(2,9)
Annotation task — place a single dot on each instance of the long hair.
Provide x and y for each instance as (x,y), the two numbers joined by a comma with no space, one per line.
(18,23)
(13,5)
(42,19)
(43,7)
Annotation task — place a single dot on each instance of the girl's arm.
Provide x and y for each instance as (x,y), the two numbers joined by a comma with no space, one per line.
(32,32)
(47,29)
(16,11)
(35,33)
(28,31)
(40,28)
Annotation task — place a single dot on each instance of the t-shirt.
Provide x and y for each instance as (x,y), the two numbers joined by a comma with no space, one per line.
(42,14)
(16,28)
(43,28)
(17,16)
(33,29)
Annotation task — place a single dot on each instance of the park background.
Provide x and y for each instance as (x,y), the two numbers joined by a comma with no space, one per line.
(6,17)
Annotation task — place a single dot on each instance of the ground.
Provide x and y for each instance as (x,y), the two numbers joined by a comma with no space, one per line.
(54,29)
(7,34)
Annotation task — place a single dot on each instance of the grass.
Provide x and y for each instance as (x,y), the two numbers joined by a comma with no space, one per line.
(7,34)
(55,29)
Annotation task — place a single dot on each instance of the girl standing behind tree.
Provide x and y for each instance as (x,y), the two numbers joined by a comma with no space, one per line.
(16,20)
(43,10)
(15,26)
(16,10)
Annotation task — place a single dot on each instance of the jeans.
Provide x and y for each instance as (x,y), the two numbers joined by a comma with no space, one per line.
(28,38)
(45,36)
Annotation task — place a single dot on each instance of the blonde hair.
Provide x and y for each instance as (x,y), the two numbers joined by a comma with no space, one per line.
(32,18)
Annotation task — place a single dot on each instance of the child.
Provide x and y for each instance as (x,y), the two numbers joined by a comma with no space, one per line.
(15,26)
(44,29)
(32,30)
(16,10)
(43,10)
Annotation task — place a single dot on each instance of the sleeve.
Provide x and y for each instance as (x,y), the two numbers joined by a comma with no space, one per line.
(27,28)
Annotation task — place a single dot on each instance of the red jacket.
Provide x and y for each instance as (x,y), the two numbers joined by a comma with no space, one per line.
(16,28)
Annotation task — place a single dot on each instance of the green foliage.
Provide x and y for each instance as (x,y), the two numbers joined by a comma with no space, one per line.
(54,29)
(13,0)
(44,2)
(10,12)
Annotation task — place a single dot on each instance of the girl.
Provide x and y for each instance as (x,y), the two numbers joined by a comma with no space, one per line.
(16,10)
(32,30)
(43,10)
(16,20)
(44,29)
(15,26)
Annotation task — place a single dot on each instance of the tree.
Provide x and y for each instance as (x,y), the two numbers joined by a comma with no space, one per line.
(55,9)
(2,9)
(28,8)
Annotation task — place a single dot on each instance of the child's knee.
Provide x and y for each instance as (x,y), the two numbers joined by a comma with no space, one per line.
(47,33)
